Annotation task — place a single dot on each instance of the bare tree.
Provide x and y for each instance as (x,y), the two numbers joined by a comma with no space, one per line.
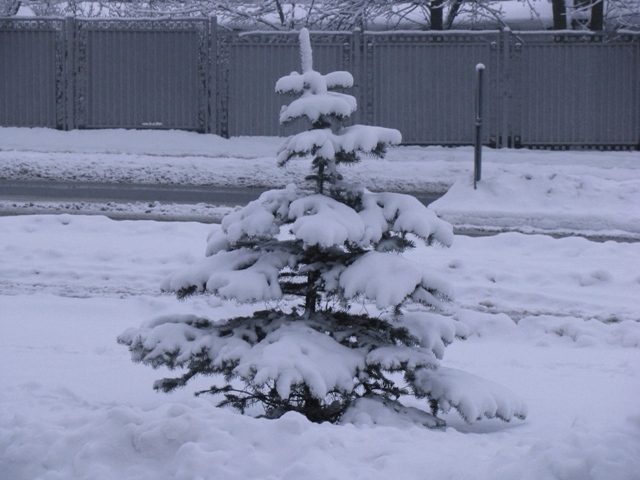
(9,8)
(348,14)
(597,15)
(622,14)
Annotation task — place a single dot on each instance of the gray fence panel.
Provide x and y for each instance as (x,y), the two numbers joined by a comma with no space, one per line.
(423,85)
(251,64)
(32,77)
(576,90)
(142,74)
(548,89)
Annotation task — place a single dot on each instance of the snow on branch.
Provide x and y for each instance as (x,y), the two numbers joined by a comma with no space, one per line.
(366,139)
(434,331)
(313,107)
(260,218)
(350,140)
(244,275)
(273,349)
(316,100)
(390,280)
(383,212)
(313,81)
(171,340)
(296,353)
(473,397)
(305,51)
(323,221)
(397,358)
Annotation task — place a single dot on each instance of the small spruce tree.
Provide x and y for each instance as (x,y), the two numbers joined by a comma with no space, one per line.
(317,251)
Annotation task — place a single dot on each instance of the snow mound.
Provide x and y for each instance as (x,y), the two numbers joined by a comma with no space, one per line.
(586,333)
(513,197)
(586,453)
(375,411)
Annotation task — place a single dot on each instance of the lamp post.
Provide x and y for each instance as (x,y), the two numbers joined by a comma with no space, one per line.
(477,160)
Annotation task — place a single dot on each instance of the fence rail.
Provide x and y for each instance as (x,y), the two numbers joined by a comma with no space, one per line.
(542,89)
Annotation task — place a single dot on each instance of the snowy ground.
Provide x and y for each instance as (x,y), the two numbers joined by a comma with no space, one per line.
(556,320)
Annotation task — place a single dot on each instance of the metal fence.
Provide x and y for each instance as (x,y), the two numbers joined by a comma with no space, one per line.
(141,74)
(543,89)
(32,73)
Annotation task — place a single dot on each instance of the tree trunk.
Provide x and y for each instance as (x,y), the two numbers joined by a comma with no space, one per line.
(280,13)
(436,11)
(453,13)
(321,178)
(311,296)
(559,14)
(597,16)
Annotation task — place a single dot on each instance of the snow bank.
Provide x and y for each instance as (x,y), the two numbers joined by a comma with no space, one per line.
(590,201)
(193,440)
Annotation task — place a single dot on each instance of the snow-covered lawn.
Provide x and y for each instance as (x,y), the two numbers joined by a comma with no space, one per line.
(72,405)
(555,320)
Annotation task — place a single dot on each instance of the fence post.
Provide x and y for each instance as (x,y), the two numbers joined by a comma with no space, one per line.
(212,87)
(504,136)
(358,73)
(477,161)
(69,73)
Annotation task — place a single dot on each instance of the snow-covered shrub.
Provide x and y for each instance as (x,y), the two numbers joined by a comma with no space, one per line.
(316,251)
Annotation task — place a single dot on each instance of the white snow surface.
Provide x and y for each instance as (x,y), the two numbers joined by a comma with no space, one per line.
(73,405)
(554,320)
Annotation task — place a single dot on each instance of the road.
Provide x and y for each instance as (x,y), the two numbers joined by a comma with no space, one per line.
(54,191)
(49,191)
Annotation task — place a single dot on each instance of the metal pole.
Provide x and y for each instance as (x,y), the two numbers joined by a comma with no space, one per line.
(477,160)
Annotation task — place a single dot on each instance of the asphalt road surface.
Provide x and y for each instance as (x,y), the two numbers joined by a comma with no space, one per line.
(48,191)
(53,191)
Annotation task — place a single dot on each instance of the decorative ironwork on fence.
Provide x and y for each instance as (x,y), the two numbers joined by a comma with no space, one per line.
(542,89)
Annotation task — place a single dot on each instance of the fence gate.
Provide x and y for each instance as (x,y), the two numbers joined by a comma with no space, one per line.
(32,73)
(575,89)
(142,74)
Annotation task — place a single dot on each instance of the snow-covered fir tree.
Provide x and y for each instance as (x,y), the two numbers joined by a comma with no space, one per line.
(318,253)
